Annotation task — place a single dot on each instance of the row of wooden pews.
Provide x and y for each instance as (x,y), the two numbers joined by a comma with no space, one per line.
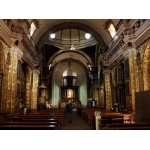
(51,119)
(107,117)
(128,126)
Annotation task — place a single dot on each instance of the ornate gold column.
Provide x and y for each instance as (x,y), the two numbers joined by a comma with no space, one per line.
(28,89)
(146,68)
(106,73)
(5,101)
(16,54)
(34,91)
(134,81)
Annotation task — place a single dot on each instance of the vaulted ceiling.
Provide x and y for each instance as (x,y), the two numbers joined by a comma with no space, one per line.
(52,25)
(96,27)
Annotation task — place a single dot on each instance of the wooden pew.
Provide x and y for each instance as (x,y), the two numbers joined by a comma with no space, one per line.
(111,126)
(52,115)
(132,128)
(32,123)
(37,119)
(28,127)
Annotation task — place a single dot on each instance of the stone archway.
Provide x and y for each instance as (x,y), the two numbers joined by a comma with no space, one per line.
(146,67)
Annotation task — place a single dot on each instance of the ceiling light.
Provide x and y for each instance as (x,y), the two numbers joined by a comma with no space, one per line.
(52,35)
(72,47)
(87,35)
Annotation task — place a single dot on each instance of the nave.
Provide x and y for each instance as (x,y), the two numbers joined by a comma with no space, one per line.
(77,123)
(87,119)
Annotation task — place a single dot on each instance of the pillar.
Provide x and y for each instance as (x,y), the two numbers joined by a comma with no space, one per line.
(15,54)
(97,120)
(28,89)
(106,73)
(34,91)
(133,75)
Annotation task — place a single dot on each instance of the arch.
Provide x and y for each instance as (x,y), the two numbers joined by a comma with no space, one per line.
(73,25)
(146,67)
(64,51)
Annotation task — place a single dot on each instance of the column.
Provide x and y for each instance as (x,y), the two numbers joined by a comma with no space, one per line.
(106,73)
(15,54)
(97,120)
(34,91)
(133,75)
(28,88)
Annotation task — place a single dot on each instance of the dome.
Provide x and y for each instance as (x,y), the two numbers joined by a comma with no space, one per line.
(69,72)
(71,39)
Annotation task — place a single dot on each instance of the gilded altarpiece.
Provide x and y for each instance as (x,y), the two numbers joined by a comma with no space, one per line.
(107,89)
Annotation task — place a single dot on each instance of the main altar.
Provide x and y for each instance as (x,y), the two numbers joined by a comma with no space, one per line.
(69,89)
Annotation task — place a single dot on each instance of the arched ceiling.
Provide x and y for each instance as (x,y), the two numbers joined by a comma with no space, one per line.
(96,27)
(67,55)
(96,24)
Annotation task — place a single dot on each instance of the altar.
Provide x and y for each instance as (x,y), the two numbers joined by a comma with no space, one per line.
(69,89)
(63,103)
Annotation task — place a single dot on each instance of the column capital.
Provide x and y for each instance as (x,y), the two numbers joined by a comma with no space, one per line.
(15,50)
(132,51)
(106,71)
(36,71)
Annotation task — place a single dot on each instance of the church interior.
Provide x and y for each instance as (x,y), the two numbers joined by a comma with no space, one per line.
(101,65)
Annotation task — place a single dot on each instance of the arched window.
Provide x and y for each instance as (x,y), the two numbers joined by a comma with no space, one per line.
(32,28)
(109,26)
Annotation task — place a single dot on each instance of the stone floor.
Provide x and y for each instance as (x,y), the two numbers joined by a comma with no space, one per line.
(77,123)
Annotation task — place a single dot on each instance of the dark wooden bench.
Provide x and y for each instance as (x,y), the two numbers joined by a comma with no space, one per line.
(110,126)
(109,119)
(41,117)
(57,125)
(37,119)
(131,128)
(15,119)
(28,127)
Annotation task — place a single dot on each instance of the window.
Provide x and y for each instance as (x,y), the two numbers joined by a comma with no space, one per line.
(109,26)
(32,28)
(112,30)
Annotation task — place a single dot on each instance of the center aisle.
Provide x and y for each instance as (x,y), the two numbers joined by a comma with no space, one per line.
(77,123)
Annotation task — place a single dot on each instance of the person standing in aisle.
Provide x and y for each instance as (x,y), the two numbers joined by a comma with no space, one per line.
(69,108)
